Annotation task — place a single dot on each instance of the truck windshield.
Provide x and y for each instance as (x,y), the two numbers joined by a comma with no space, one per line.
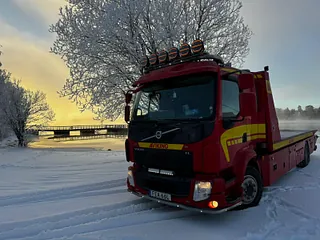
(191,97)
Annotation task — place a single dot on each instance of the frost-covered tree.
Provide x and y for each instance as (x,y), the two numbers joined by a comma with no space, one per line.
(3,126)
(22,109)
(102,41)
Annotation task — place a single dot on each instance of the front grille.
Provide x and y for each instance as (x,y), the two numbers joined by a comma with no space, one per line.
(176,186)
(181,162)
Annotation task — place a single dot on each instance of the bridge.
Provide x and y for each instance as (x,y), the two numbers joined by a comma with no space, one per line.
(96,136)
(85,130)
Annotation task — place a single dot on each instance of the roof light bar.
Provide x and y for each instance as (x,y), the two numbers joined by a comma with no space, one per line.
(186,52)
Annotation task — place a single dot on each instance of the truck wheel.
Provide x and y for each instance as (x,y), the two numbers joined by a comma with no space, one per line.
(252,188)
(306,159)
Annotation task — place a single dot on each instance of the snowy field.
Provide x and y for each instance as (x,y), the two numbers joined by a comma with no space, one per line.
(80,193)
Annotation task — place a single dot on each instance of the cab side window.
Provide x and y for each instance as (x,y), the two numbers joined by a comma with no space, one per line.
(230,99)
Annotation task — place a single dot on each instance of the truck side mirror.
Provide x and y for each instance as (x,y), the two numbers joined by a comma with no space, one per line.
(127,113)
(248,104)
(128,97)
(246,81)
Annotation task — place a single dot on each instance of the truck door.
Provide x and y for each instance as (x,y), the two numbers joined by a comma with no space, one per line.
(235,134)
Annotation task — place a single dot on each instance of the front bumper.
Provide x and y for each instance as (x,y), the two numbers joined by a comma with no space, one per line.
(181,198)
(189,208)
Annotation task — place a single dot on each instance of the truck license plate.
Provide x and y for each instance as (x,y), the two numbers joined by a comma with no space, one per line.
(160,195)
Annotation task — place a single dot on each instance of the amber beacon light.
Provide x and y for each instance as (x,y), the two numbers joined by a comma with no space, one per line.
(173,54)
(153,59)
(145,61)
(185,50)
(163,57)
(197,46)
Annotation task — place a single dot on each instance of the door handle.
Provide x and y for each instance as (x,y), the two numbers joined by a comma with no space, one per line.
(244,138)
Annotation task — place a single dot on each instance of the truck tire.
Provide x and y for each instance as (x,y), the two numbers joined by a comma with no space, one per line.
(306,160)
(252,188)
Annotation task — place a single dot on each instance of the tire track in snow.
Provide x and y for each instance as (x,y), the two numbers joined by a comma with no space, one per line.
(139,218)
(273,224)
(307,174)
(64,193)
(276,189)
(28,158)
(308,226)
(89,220)
(271,190)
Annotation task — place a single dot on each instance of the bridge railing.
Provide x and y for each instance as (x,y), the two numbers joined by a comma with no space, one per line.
(80,127)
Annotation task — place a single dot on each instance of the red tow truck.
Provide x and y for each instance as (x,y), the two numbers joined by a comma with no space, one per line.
(203,135)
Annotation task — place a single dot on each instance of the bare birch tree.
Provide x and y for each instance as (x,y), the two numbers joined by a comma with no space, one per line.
(102,41)
(3,126)
(22,109)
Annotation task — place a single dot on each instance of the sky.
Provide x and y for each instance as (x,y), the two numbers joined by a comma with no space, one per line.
(286,38)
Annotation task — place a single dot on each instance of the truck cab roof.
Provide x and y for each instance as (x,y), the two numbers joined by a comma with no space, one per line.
(201,63)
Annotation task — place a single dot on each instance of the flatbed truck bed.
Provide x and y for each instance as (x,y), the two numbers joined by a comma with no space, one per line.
(289,137)
(286,134)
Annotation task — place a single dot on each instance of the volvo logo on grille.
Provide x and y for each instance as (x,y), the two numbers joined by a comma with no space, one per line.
(158,134)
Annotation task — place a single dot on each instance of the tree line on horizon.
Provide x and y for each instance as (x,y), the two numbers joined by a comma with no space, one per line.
(308,113)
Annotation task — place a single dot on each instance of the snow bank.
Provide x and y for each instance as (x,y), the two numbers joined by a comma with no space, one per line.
(10,141)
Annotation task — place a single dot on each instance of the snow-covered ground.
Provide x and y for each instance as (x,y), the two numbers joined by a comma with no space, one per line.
(74,193)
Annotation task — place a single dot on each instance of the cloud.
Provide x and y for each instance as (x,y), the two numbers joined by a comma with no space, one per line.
(276,39)
(296,94)
(29,59)
(46,10)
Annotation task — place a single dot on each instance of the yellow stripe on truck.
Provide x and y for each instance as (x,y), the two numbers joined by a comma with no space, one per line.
(166,146)
(257,130)
(230,70)
(289,141)
(268,87)
(255,137)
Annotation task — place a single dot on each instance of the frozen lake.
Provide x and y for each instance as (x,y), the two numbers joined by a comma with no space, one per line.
(115,144)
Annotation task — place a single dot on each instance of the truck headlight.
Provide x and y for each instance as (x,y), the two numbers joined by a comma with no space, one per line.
(130,178)
(202,191)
